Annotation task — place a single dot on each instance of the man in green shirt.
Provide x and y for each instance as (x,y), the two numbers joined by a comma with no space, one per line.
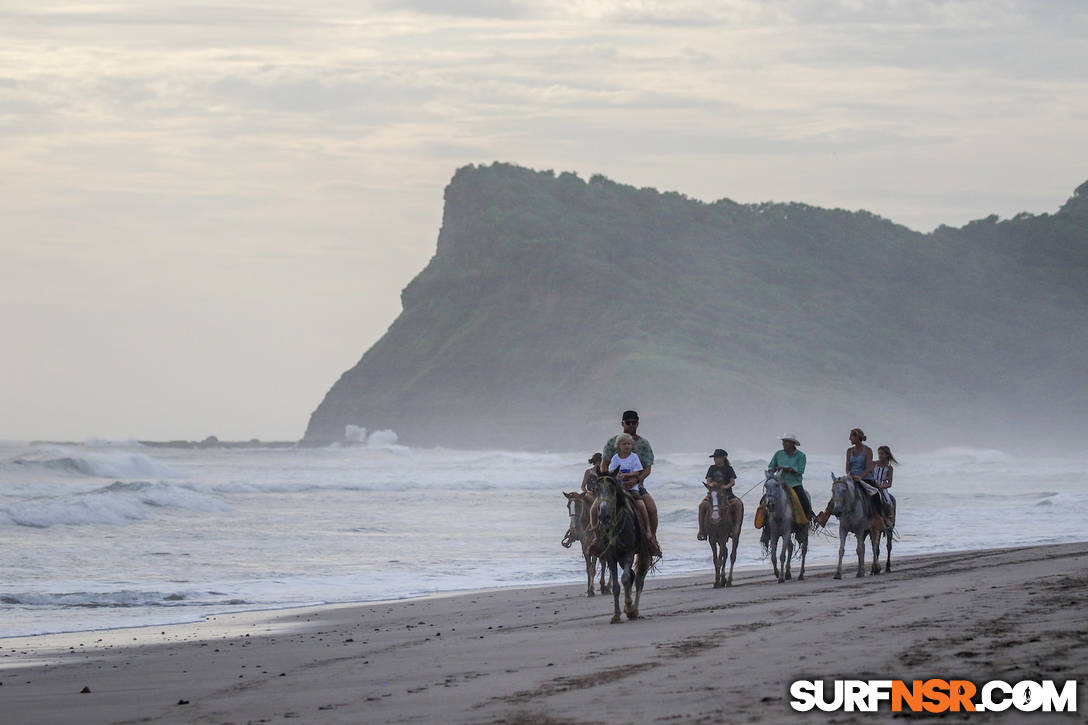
(645,452)
(791,463)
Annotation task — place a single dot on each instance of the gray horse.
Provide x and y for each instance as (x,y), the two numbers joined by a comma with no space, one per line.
(852,510)
(779,524)
(620,543)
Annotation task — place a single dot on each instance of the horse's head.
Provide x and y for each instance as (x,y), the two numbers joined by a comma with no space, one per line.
(773,492)
(842,494)
(607,487)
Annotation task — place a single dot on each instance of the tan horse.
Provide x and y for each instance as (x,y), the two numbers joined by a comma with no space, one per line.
(722,522)
(578,505)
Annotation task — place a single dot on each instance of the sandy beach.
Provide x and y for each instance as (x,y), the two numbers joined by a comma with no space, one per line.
(549,654)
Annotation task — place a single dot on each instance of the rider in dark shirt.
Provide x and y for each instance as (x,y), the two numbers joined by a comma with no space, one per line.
(720,473)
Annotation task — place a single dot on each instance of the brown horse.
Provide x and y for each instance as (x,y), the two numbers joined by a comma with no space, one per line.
(722,523)
(578,505)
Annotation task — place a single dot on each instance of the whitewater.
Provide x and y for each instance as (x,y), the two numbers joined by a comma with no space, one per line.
(115,534)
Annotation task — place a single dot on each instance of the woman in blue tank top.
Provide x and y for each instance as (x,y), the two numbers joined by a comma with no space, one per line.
(859,465)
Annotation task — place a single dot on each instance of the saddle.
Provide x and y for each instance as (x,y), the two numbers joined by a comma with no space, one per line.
(795,504)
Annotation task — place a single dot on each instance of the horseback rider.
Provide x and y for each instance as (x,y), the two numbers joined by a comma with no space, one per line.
(882,480)
(629,421)
(790,462)
(589,480)
(590,476)
(627,467)
(859,468)
(724,477)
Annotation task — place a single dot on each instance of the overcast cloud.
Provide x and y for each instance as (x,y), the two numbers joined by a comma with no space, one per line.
(210,210)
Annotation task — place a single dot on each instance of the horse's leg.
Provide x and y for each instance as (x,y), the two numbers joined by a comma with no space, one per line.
(615,590)
(774,556)
(843,533)
(803,543)
(732,560)
(628,580)
(713,558)
(788,563)
(604,569)
(719,562)
(640,579)
(874,541)
(861,552)
(888,564)
(591,569)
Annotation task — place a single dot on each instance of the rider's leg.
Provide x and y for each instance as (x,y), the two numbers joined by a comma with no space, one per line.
(704,505)
(651,511)
(643,518)
(806,503)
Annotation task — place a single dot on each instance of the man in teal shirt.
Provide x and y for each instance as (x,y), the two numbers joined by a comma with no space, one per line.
(791,463)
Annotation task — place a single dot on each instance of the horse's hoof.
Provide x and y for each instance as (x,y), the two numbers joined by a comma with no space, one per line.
(837,576)
(801,578)
(729,582)
(789,576)
(616,619)
(632,615)
(717,585)
(860,574)
(591,593)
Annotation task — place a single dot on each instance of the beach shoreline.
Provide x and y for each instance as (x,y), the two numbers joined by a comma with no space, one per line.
(548,652)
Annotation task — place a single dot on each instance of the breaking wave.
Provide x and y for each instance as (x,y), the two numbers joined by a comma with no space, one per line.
(123,598)
(117,503)
(101,464)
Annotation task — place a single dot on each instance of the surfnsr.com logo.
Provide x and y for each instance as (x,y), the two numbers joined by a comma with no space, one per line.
(933,696)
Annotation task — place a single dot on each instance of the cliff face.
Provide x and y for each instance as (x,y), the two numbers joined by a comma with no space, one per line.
(553,303)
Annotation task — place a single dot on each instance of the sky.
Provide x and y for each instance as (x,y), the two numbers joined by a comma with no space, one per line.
(208,211)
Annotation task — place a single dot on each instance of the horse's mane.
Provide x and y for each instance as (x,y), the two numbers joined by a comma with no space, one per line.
(610,489)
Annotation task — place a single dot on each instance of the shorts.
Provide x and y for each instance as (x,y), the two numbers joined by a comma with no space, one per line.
(637,492)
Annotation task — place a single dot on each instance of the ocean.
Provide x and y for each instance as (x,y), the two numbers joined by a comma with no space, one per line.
(114,534)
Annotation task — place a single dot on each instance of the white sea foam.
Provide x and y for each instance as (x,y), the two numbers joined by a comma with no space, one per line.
(102,464)
(122,598)
(118,503)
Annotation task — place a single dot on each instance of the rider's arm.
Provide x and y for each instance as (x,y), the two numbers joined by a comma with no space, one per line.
(888,480)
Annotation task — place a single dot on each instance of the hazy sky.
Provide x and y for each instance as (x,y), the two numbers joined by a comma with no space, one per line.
(208,211)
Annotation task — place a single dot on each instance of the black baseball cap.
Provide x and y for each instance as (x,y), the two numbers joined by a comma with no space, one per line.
(718,452)
(629,415)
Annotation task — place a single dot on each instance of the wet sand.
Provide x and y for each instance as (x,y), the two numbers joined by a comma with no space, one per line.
(549,655)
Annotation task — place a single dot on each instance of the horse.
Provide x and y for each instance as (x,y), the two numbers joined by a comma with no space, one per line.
(721,526)
(852,510)
(889,532)
(779,524)
(621,544)
(578,505)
